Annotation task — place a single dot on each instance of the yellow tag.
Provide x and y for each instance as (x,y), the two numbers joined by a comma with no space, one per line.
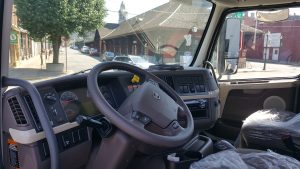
(135,79)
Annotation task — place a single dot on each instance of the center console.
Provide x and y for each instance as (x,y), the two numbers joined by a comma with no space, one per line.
(196,149)
(199,90)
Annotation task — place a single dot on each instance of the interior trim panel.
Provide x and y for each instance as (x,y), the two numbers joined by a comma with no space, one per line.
(31,136)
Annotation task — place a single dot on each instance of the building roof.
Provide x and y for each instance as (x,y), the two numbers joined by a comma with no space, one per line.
(104,31)
(170,15)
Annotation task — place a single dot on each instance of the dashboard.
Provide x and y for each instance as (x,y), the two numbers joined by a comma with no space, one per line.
(67,97)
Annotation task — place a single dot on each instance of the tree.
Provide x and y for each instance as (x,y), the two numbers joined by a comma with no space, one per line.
(58,18)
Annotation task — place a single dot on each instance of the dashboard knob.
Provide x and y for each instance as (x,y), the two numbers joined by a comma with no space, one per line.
(50,99)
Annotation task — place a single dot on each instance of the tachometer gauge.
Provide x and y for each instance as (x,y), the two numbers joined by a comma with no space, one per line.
(70,104)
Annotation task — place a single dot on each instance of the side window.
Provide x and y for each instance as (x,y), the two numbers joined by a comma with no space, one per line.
(259,44)
(127,60)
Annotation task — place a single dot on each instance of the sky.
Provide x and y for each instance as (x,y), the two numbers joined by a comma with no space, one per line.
(294,11)
(133,7)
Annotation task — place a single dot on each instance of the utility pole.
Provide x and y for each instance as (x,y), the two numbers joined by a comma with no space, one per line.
(66,48)
(46,48)
(267,50)
(255,31)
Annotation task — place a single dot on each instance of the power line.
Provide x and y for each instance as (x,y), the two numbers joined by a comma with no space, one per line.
(118,12)
(167,12)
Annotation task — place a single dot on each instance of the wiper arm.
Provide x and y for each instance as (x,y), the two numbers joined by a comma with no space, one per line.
(82,71)
(166,67)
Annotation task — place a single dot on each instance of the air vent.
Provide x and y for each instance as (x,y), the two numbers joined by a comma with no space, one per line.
(169,81)
(17,110)
(33,113)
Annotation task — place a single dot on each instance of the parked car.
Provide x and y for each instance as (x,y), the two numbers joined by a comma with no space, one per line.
(85,49)
(93,52)
(74,47)
(134,60)
(108,56)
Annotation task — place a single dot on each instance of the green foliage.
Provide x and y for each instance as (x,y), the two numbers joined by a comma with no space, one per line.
(57,18)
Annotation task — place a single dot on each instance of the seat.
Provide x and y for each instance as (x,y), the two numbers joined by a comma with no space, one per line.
(265,130)
(272,129)
(246,158)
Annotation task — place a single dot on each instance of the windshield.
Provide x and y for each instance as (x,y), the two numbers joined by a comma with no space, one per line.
(64,37)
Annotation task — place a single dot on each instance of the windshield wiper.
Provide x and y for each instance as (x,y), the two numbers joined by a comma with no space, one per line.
(82,71)
(166,67)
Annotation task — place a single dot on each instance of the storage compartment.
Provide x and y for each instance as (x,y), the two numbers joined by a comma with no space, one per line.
(199,147)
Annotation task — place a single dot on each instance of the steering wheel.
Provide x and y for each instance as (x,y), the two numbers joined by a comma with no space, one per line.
(151,114)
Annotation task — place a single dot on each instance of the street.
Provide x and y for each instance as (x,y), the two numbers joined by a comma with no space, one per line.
(255,70)
(32,70)
(78,61)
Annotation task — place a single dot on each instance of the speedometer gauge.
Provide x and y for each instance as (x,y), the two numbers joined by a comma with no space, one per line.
(67,97)
(70,104)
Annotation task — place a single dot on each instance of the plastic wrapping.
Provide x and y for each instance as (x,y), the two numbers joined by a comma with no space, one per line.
(230,159)
(270,126)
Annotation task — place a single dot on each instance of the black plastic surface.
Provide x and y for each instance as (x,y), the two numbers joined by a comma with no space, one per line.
(66,140)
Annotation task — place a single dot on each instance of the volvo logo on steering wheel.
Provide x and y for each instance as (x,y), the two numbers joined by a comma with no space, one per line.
(156,95)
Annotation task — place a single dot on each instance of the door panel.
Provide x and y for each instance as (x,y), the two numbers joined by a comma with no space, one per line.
(240,103)
(239,100)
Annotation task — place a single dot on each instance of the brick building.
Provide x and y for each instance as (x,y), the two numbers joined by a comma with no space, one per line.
(289,49)
(22,47)
(146,34)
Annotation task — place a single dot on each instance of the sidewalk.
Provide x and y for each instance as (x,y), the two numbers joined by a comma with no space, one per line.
(32,70)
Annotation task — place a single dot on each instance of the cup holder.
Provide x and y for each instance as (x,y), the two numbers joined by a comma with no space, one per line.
(199,147)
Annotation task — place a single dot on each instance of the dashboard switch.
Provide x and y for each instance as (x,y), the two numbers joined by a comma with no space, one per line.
(198,88)
(67,140)
(144,119)
(192,89)
(180,89)
(135,115)
(46,150)
(141,117)
(76,136)
(202,88)
(175,125)
(185,89)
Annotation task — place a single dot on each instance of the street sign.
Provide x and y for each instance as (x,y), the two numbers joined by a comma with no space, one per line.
(239,15)
(13,37)
(274,40)
(188,39)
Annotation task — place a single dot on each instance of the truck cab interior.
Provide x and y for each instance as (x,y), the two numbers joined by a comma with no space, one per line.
(234,106)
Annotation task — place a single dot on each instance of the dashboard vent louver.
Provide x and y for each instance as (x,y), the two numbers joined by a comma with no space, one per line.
(17,110)
(33,113)
(169,81)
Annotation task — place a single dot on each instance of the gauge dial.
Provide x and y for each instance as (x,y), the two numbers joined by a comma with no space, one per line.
(70,104)
(68,97)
